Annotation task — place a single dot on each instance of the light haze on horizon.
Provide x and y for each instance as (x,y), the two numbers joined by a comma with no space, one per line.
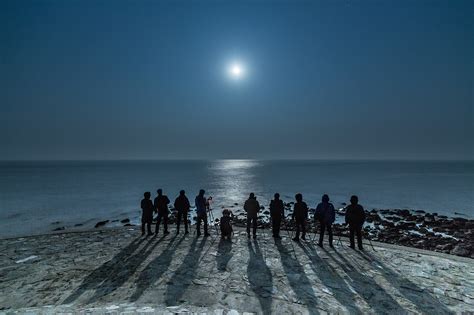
(323,80)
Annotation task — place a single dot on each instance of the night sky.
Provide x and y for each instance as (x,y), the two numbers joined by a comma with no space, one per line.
(323,79)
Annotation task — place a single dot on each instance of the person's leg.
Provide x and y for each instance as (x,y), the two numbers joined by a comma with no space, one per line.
(351,235)
(165,223)
(148,225)
(185,218)
(249,219)
(277,227)
(329,228)
(359,237)
(143,226)
(303,229)
(321,233)
(158,221)
(254,226)
(198,224)
(273,227)
(178,221)
(297,237)
(205,224)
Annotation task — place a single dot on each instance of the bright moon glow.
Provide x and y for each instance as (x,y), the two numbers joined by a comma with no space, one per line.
(236,70)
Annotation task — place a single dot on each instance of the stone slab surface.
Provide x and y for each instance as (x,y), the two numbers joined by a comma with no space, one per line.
(117,271)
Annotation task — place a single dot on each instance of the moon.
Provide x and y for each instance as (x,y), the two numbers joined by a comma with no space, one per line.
(236,70)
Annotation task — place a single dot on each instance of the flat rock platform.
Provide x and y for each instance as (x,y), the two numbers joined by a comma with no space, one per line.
(119,271)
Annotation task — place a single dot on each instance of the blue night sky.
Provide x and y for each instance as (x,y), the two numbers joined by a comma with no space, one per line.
(324,79)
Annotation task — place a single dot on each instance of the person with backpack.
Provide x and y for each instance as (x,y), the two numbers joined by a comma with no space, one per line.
(201,211)
(355,217)
(277,212)
(147,213)
(300,215)
(181,204)
(326,216)
(225,224)
(161,206)
(252,207)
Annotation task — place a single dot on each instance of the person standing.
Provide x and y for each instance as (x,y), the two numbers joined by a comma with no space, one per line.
(147,213)
(201,207)
(161,206)
(300,214)
(355,217)
(181,204)
(252,207)
(277,212)
(326,216)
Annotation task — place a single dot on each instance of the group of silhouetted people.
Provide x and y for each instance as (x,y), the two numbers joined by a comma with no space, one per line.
(324,216)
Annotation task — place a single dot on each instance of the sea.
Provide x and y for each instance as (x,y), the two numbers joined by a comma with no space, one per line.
(39,196)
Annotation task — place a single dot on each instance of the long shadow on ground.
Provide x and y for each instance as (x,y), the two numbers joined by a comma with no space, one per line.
(331,279)
(224,254)
(423,300)
(155,269)
(184,275)
(113,273)
(297,277)
(260,277)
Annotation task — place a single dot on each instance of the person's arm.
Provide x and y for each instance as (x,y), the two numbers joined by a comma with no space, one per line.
(187,206)
(362,214)
(258,207)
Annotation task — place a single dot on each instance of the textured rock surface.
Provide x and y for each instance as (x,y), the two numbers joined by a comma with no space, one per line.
(116,270)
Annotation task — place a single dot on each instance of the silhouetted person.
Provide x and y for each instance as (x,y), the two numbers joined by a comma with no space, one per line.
(181,204)
(147,213)
(201,207)
(252,207)
(161,206)
(277,212)
(355,217)
(225,224)
(326,215)
(300,214)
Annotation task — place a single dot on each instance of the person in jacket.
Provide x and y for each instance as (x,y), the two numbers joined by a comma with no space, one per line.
(201,211)
(226,224)
(147,213)
(252,207)
(300,214)
(326,214)
(181,204)
(355,217)
(161,206)
(277,212)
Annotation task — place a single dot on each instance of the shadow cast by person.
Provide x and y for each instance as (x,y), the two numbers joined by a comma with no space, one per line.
(112,274)
(155,269)
(260,277)
(297,278)
(331,279)
(375,296)
(224,254)
(184,275)
(423,301)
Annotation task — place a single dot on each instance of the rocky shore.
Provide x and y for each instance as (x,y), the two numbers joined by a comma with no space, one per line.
(412,228)
(112,270)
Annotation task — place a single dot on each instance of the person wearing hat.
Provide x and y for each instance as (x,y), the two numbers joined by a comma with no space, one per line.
(252,207)
(326,216)
(355,217)
(161,206)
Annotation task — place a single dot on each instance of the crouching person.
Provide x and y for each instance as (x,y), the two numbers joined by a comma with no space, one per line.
(226,224)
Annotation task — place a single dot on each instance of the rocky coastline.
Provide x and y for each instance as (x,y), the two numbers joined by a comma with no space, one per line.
(412,228)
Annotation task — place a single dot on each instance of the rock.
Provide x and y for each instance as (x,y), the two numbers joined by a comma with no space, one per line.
(78,224)
(127,220)
(101,223)
(59,228)
(128,224)
(461,250)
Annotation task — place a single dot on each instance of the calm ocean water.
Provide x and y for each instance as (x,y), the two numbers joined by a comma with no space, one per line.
(33,195)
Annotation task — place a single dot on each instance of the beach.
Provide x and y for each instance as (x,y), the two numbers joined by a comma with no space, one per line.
(117,270)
